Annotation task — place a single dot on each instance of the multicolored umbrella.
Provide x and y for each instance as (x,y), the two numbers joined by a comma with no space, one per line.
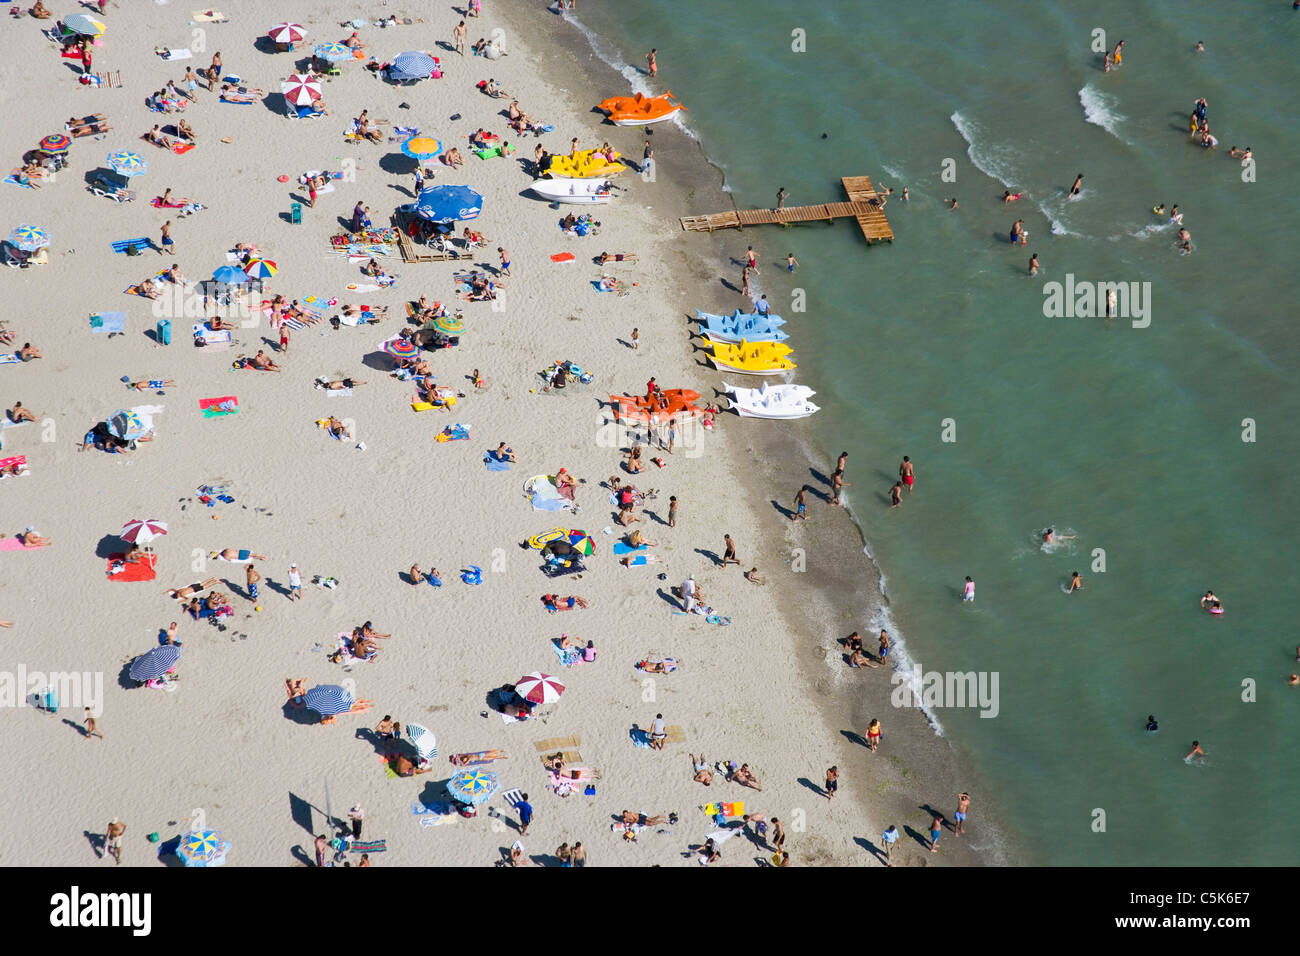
(128,424)
(203,848)
(55,143)
(422,147)
(449,324)
(301,90)
(29,238)
(153,664)
(539,688)
(426,745)
(231,275)
(287,33)
(333,52)
(582,542)
(83,25)
(328,700)
(143,530)
(448,203)
(401,348)
(261,269)
(474,786)
(127,163)
(412,65)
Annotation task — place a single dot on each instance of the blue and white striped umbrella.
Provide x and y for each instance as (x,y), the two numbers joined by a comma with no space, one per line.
(29,238)
(328,700)
(422,738)
(127,163)
(448,203)
(333,52)
(155,663)
(412,65)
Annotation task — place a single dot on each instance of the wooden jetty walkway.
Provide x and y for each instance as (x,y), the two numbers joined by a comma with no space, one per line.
(871,218)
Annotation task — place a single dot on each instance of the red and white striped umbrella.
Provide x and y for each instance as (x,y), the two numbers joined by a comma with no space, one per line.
(301,90)
(138,531)
(539,688)
(287,33)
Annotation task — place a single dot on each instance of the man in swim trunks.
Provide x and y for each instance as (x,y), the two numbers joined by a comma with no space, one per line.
(1078,185)
(191,590)
(18,414)
(936,827)
(907,472)
(338,384)
(838,484)
(1076,583)
(801,505)
(884,645)
(235,556)
(963,805)
(832,782)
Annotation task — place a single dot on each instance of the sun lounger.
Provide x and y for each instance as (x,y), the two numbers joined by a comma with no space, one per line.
(103,186)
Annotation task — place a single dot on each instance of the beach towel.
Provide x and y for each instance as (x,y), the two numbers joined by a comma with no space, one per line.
(338,392)
(552,744)
(18,460)
(624,548)
(373,846)
(569,656)
(406,130)
(512,797)
(182,148)
(144,242)
(641,560)
(619,286)
(210,338)
(138,571)
(454,432)
(16,177)
(640,738)
(184,53)
(495,464)
(674,734)
(157,203)
(209,16)
(108,321)
(669,664)
(219,407)
(362,287)
(564,257)
(9,358)
(13,544)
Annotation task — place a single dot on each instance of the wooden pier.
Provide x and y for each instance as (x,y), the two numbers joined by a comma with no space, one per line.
(870,216)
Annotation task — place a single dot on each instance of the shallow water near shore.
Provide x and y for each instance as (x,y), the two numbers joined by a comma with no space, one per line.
(1130,438)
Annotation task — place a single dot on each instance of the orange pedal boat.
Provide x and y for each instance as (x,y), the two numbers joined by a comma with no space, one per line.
(678,405)
(639,110)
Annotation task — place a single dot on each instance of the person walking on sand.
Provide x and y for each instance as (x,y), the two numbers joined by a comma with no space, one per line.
(525,810)
(963,806)
(873,733)
(295,583)
(284,336)
(907,472)
(251,577)
(729,555)
(832,782)
(505,261)
(887,841)
(636,339)
(838,484)
(688,595)
(357,816)
(778,834)
(647,158)
(113,839)
(744,281)
(936,827)
(168,243)
(751,257)
(91,729)
(801,505)
(652,62)
(672,511)
(968,591)
(458,36)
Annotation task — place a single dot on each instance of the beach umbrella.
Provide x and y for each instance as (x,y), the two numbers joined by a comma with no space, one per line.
(29,238)
(422,147)
(333,52)
(128,424)
(55,143)
(449,325)
(287,33)
(260,269)
(401,348)
(230,275)
(582,542)
(539,688)
(203,848)
(448,203)
(422,739)
(301,90)
(83,25)
(127,163)
(140,531)
(153,664)
(328,699)
(411,65)
(474,786)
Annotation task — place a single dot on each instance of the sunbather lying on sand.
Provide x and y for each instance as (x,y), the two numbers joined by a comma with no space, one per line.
(641,819)
(703,773)
(30,539)
(405,767)
(28,352)
(16,470)
(553,603)
(337,384)
(359,707)
(295,687)
(262,362)
(337,428)
(617,257)
(192,589)
(235,556)
(18,414)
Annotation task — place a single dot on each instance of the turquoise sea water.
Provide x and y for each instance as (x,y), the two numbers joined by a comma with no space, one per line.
(1129,438)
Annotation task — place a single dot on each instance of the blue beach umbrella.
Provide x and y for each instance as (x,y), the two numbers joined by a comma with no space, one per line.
(203,848)
(328,700)
(230,275)
(128,424)
(29,238)
(448,203)
(412,65)
(153,664)
(473,786)
(333,52)
(422,147)
(127,163)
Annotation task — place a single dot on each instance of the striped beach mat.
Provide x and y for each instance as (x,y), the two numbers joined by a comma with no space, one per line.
(374,846)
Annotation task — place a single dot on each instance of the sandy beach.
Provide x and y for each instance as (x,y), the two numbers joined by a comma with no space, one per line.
(220,747)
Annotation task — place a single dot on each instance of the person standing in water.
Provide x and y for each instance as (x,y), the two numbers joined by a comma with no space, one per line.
(652,62)
(896,495)
(1076,583)
(1033,264)
(907,473)
(968,592)
(1152,726)
(1078,185)
(963,806)
(781,195)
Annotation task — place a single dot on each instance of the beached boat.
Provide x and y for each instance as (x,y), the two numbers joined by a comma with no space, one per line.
(583,191)
(754,328)
(751,358)
(640,110)
(772,401)
(738,319)
(585,165)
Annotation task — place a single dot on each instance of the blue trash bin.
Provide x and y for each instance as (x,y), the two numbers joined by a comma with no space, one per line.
(165,331)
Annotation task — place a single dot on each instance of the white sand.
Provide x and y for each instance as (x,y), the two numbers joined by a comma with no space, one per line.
(221,745)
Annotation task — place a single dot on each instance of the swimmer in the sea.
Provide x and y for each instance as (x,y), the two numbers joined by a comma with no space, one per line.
(1211,603)
(1051,537)
(1033,264)
(1009,196)
(1076,583)
(1159,210)
(952,204)
(1175,215)
(1196,751)
(1152,726)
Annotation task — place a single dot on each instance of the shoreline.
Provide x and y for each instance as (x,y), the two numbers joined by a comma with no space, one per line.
(845,574)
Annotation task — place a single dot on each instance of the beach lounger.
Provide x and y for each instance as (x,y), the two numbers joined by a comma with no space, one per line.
(103,186)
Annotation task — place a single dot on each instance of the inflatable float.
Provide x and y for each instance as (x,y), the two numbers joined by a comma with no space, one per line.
(772,401)
(639,110)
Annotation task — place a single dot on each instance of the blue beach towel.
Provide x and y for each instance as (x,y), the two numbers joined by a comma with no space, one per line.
(495,464)
(108,321)
(640,738)
(625,548)
(144,242)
